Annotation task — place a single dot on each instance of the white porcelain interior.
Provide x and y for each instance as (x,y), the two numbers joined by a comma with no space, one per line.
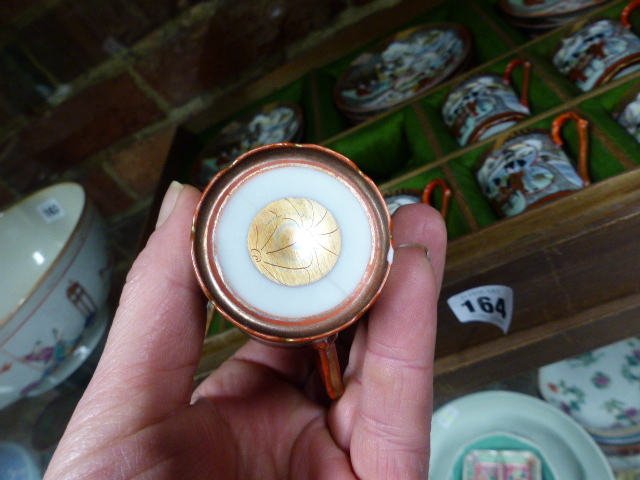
(258,290)
(52,297)
(32,235)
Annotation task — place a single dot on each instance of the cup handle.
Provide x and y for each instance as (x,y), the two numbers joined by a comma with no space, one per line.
(446,194)
(329,366)
(507,76)
(626,12)
(583,125)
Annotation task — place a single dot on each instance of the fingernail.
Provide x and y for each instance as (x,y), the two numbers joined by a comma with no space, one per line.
(421,246)
(169,202)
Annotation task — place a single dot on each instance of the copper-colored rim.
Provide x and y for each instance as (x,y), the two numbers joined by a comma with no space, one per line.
(262,324)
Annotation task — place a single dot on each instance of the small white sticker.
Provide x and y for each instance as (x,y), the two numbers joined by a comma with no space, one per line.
(50,210)
(490,304)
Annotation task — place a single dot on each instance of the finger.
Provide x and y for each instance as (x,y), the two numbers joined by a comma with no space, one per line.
(156,339)
(386,415)
(292,365)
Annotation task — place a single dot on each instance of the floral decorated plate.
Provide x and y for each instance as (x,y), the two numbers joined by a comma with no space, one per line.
(401,67)
(277,122)
(600,389)
(567,448)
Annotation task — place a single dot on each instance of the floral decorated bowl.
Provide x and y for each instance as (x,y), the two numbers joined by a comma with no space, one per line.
(600,390)
(55,279)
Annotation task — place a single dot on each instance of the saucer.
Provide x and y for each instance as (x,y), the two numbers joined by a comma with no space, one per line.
(402,67)
(567,447)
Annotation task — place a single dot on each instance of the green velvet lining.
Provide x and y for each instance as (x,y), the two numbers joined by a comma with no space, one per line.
(463,168)
(384,147)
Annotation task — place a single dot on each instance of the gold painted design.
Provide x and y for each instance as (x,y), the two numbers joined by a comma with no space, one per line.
(294,241)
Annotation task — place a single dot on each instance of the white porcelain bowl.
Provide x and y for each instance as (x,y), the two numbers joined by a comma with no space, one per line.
(55,276)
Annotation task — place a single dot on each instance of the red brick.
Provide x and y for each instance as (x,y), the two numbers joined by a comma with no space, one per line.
(61,43)
(105,192)
(12,8)
(140,165)
(84,125)
(303,17)
(23,86)
(126,20)
(211,54)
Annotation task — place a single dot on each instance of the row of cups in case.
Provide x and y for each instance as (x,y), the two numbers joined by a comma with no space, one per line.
(524,170)
(486,104)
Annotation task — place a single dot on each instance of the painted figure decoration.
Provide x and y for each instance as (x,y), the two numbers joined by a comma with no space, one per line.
(536,17)
(400,68)
(531,167)
(600,51)
(535,8)
(486,104)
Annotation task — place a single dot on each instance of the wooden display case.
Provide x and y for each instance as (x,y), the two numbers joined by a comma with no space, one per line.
(572,262)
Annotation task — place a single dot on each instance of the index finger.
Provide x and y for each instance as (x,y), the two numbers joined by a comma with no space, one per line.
(394,371)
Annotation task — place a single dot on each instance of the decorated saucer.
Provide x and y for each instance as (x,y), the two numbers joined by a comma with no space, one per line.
(402,67)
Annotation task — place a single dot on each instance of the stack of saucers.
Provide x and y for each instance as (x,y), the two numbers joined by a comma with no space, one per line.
(402,67)
(540,16)
(276,122)
(601,391)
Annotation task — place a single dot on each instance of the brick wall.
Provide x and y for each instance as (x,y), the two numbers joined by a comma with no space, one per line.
(92,90)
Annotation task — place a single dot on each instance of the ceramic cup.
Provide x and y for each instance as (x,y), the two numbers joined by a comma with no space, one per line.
(627,112)
(486,104)
(292,243)
(55,279)
(406,196)
(531,167)
(600,51)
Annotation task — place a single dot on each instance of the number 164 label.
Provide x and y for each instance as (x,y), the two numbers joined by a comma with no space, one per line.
(490,304)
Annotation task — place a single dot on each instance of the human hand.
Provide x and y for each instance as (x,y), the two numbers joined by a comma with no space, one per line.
(259,415)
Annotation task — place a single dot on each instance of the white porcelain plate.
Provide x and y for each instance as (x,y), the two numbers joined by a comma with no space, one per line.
(568,448)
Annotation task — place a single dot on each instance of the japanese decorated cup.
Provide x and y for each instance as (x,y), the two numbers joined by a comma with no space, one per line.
(55,279)
(486,104)
(406,196)
(600,51)
(292,244)
(531,167)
